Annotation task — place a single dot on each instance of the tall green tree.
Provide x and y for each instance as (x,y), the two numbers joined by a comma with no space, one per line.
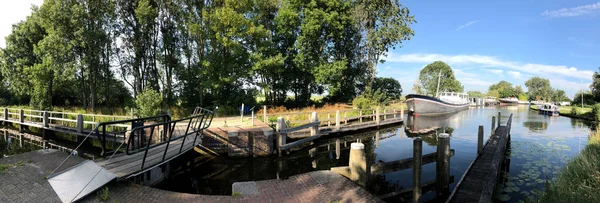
(476,94)
(390,86)
(439,70)
(504,89)
(595,86)
(539,88)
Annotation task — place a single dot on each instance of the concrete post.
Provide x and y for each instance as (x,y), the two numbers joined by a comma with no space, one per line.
(417,163)
(79,123)
(45,119)
(493,125)
(358,163)
(314,131)
(499,118)
(281,138)
(265,118)
(338,151)
(443,164)
(377,119)
(480,140)
(337,120)
(402,112)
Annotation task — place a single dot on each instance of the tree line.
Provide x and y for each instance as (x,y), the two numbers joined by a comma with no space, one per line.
(99,53)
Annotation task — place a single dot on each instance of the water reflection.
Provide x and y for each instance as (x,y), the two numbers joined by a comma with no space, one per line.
(536,126)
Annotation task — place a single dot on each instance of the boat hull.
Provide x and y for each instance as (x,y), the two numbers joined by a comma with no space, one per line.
(430,106)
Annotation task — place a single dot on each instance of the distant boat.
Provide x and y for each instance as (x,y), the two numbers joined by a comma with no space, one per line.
(509,101)
(549,109)
(448,102)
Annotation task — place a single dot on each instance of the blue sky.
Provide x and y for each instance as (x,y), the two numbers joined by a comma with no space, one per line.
(485,42)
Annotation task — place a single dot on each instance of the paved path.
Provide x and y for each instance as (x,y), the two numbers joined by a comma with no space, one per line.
(25,181)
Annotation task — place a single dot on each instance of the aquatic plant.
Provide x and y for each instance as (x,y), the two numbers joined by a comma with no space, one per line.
(103,194)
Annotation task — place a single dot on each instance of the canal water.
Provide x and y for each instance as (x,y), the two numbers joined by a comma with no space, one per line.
(540,147)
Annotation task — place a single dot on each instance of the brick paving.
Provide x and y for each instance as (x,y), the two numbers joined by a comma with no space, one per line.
(25,182)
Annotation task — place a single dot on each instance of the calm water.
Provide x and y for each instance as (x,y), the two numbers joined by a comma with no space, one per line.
(540,146)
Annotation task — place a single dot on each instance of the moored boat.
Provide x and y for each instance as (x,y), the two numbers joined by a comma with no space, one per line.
(509,101)
(448,102)
(549,109)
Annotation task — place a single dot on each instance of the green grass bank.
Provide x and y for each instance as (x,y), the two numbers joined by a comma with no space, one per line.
(573,112)
(579,181)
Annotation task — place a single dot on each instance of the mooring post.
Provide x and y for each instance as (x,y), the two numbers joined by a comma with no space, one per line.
(443,165)
(358,163)
(265,119)
(281,137)
(417,163)
(337,120)
(499,118)
(377,119)
(402,112)
(360,115)
(480,140)
(314,131)
(337,149)
(493,125)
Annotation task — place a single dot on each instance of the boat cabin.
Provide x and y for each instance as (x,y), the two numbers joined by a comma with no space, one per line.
(454,98)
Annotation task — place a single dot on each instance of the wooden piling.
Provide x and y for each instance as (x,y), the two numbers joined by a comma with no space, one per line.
(499,118)
(443,165)
(480,140)
(493,125)
(337,120)
(417,164)
(79,123)
(281,138)
(358,163)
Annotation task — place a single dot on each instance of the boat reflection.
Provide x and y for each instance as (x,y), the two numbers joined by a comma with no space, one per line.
(428,127)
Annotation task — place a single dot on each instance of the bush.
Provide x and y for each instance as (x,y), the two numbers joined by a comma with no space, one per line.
(575,111)
(148,103)
(596,112)
(362,102)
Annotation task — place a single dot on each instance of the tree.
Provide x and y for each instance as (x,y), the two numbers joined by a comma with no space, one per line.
(390,86)
(539,87)
(475,94)
(559,96)
(504,89)
(493,93)
(595,86)
(588,98)
(429,78)
(519,90)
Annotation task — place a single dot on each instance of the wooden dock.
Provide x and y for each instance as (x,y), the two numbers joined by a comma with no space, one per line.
(479,181)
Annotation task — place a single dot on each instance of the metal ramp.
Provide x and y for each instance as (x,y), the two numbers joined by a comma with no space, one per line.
(79,181)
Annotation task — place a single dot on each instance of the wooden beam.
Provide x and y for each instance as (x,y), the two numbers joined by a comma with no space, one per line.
(392,166)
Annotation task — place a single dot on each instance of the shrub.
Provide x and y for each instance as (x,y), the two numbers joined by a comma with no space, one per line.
(148,103)
(575,111)
(362,102)
(596,112)
(103,194)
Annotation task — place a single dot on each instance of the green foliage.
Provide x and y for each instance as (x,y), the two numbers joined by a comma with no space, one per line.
(493,93)
(588,99)
(390,86)
(148,103)
(575,111)
(475,94)
(522,97)
(4,168)
(431,73)
(595,86)
(539,88)
(559,96)
(370,98)
(596,112)
(504,89)
(103,194)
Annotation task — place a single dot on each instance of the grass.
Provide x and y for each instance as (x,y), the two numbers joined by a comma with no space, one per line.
(3,168)
(580,179)
(236,194)
(103,194)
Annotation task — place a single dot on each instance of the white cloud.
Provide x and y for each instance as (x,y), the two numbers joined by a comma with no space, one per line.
(514,74)
(495,71)
(467,24)
(575,11)
(490,61)
(12,12)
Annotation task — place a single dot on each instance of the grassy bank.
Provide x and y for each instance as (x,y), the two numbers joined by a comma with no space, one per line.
(579,181)
(582,113)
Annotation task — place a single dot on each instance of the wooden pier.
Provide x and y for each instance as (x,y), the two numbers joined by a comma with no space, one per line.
(479,181)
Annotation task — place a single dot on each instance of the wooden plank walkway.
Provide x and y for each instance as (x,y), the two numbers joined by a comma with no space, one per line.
(479,182)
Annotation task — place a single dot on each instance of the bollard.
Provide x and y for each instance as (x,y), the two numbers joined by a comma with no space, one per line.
(358,163)
(417,164)
(281,138)
(480,140)
(443,164)
(493,125)
(265,119)
(377,119)
(337,120)
(314,131)
(499,117)
(338,151)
